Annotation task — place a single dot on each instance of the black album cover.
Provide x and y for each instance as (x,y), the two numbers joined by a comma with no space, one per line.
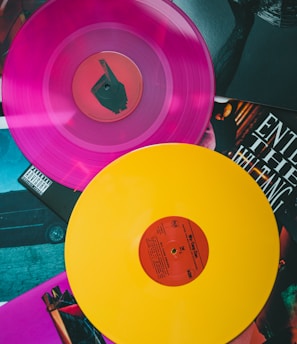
(253,47)
(251,43)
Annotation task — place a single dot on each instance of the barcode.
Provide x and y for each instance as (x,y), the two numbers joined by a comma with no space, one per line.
(36,180)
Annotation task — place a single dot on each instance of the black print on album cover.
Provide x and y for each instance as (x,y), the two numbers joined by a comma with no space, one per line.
(263,141)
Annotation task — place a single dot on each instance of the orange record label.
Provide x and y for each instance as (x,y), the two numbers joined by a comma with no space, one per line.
(173,251)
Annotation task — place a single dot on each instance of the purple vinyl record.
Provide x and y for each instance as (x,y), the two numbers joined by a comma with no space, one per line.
(88,81)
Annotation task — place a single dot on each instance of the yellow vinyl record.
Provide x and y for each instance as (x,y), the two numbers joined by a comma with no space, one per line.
(172,243)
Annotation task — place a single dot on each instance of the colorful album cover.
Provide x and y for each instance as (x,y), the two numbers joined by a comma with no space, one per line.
(253,47)
(47,314)
(263,141)
(31,234)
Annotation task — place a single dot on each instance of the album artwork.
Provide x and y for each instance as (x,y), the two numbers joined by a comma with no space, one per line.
(263,141)
(253,47)
(31,234)
(47,314)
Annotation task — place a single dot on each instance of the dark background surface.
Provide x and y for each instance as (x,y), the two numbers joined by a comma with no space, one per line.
(267,72)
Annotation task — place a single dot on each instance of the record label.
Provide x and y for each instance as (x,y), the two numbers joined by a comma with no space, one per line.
(104,78)
(173,251)
(107,86)
(186,254)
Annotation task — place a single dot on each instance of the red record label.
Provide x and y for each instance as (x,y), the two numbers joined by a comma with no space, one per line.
(173,251)
(98,86)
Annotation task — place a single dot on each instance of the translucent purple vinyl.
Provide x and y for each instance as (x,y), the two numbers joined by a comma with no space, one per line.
(177,89)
